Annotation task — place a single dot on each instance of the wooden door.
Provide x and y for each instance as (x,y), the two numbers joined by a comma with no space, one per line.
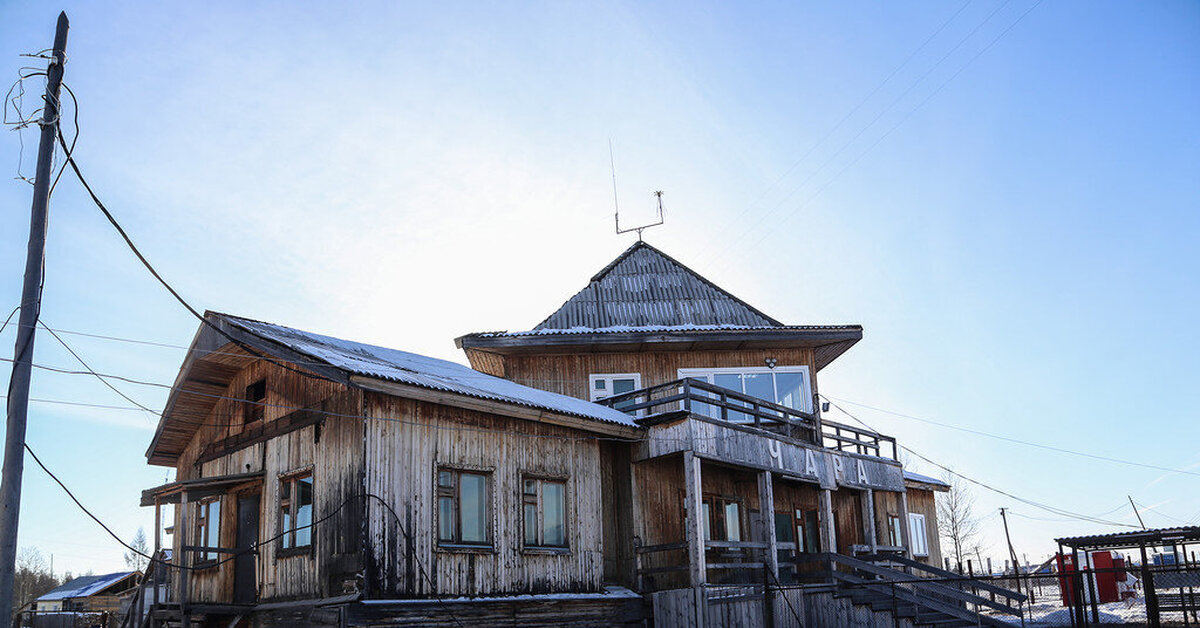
(245,575)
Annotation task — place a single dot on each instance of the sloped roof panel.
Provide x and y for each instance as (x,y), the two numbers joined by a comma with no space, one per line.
(645,287)
(84,586)
(418,370)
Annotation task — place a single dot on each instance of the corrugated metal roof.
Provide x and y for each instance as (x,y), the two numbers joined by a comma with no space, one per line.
(418,370)
(645,287)
(85,586)
(619,329)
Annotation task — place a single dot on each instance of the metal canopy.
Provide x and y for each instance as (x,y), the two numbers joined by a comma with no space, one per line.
(1138,538)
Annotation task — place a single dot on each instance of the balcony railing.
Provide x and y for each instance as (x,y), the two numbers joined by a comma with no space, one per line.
(694,396)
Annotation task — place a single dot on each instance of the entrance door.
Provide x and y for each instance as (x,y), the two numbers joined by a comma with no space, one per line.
(245,585)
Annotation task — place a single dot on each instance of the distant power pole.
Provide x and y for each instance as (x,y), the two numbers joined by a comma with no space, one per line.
(31,304)
(1011,551)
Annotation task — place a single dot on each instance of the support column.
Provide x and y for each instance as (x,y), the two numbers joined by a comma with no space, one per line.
(868,497)
(828,530)
(766,509)
(694,533)
(904,532)
(158,568)
(181,539)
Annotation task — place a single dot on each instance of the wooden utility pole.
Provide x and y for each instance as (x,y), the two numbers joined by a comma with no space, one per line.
(1011,551)
(1135,511)
(31,303)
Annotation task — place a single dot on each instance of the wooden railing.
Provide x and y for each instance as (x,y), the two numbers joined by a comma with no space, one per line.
(698,397)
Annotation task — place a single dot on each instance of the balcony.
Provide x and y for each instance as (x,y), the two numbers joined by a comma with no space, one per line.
(696,398)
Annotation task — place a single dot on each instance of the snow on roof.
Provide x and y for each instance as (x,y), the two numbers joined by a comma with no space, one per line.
(917,477)
(85,586)
(616,329)
(426,372)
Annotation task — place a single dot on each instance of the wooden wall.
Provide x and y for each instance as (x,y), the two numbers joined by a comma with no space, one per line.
(848,518)
(402,456)
(568,373)
(924,502)
(332,449)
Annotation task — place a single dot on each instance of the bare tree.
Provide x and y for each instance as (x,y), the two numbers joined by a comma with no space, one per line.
(957,523)
(135,558)
(32,578)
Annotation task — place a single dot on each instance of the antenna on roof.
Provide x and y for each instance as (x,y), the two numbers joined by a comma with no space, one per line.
(617,208)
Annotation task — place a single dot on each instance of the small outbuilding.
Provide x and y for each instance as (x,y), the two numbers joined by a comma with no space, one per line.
(89,593)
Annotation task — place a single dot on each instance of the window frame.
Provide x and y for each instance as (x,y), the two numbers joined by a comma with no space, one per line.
(713,517)
(454,492)
(537,500)
(707,374)
(895,533)
(918,549)
(286,543)
(203,527)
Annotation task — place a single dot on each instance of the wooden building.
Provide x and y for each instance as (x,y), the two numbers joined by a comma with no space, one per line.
(653,451)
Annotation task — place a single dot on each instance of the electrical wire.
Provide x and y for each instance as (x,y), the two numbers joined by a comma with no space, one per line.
(1018,441)
(70,159)
(98,376)
(254,548)
(1051,509)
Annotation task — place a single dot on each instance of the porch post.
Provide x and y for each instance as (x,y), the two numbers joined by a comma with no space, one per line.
(181,539)
(904,532)
(697,571)
(766,509)
(828,531)
(157,551)
(868,497)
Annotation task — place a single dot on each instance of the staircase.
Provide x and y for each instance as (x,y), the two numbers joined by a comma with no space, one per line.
(915,594)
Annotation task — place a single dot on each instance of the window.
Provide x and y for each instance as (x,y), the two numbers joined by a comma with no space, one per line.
(609,385)
(807,532)
(784,385)
(916,531)
(722,516)
(894,534)
(296,512)
(463,512)
(252,409)
(208,528)
(544,507)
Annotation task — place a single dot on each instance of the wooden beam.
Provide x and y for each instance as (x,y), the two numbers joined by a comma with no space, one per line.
(868,497)
(694,532)
(766,509)
(828,531)
(904,534)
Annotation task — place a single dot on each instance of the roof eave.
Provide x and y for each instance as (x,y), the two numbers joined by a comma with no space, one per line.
(526,343)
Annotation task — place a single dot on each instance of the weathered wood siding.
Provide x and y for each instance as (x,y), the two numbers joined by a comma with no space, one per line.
(924,502)
(848,518)
(331,449)
(402,456)
(568,373)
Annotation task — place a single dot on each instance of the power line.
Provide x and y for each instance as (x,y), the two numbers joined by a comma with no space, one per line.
(70,159)
(1018,441)
(93,372)
(1035,504)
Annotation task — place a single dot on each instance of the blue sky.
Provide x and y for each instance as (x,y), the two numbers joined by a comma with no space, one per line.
(1011,215)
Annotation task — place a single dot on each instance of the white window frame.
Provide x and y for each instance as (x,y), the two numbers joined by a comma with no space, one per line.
(707,373)
(608,379)
(919,542)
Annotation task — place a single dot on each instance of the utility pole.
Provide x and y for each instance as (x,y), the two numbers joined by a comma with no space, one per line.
(1011,551)
(1135,511)
(31,304)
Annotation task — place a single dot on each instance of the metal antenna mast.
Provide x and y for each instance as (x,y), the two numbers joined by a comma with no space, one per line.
(617,208)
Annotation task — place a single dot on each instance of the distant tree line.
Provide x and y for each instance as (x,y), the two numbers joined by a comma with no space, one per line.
(33,578)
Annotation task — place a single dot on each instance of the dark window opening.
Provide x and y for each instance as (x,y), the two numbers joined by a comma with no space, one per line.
(256,395)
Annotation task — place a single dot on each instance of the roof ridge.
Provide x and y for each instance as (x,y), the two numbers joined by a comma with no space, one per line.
(640,245)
